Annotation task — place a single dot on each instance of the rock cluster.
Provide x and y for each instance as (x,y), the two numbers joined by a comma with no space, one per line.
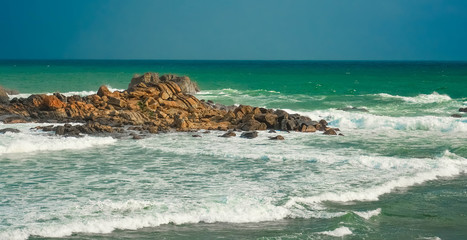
(150,104)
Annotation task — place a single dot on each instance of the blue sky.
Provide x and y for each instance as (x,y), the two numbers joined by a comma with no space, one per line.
(234,29)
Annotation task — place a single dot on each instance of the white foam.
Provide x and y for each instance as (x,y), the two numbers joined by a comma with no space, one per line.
(338,232)
(68,94)
(27,142)
(421,98)
(357,120)
(448,167)
(368,214)
(236,211)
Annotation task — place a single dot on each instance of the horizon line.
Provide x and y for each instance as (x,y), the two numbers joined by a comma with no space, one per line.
(230,60)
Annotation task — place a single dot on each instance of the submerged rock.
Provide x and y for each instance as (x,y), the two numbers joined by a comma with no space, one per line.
(12,130)
(278,137)
(249,134)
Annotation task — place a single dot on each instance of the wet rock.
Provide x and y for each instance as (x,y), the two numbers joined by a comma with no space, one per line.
(353,109)
(330,131)
(60,130)
(12,118)
(4,99)
(278,137)
(456,115)
(12,130)
(196,135)
(463,109)
(229,133)
(249,134)
(272,131)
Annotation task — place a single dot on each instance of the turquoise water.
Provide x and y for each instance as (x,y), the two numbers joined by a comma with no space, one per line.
(398,173)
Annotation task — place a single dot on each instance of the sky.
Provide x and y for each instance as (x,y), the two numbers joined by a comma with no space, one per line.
(234,29)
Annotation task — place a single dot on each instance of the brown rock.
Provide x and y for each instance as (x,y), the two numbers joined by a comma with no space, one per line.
(4,96)
(230,133)
(51,103)
(278,137)
(103,91)
(116,102)
(147,79)
(330,131)
(268,118)
(249,134)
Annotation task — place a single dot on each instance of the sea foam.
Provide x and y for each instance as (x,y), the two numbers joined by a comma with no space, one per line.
(420,99)
(338,232)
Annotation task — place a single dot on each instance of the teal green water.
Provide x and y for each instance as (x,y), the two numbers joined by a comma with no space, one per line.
(398,173)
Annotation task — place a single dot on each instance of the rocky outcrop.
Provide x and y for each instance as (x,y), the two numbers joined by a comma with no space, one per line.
(151,104)
(4,99)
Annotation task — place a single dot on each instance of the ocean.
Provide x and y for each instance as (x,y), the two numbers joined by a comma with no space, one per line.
(399,171)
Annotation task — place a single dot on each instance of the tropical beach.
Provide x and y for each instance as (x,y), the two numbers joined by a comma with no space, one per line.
(112,147)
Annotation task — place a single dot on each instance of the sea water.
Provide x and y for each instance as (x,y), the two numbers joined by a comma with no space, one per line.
(397,173)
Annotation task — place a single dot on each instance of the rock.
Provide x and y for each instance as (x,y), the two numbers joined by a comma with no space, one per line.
(272,131)
(268,118)
(51,103)
(60,130)
(103,91)
(323,122)
(196,135)
(149,79)
(330,131)
(456,115)
(278,137)
(249,134)
(13,130)
(353,109)
(136,136)
(185,84)
(116,102)
(4,99)
(13,118)
(463,109)
(60,97)
(229,133)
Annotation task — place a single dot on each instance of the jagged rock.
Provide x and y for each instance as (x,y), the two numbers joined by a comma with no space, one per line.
(186,85)
(268,118)
(353,109)
(51,103)
(229,133)
(154,105)
(249,134)
(330,131)
(463,109)
(103,91)
(4,96)
(148,79)
(13,130)
(278,137)
(60,97)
